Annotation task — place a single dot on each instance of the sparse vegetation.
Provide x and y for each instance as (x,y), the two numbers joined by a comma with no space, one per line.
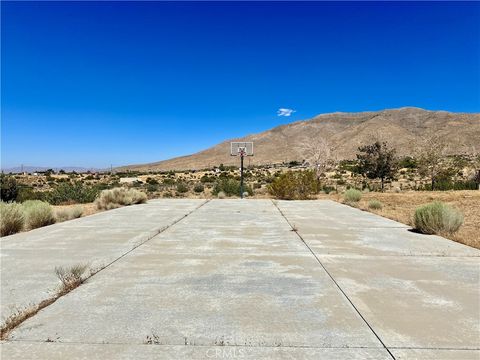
(117,197)
(437,218)
(352,196)
(374,204)
(12,218)
(68,213)
(37,214)
(70,278)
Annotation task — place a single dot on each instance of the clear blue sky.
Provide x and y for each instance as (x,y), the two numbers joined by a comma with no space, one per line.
(94,84)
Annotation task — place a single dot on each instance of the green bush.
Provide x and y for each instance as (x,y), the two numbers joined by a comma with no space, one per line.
(68,213)
(12,219)
(375,205)
(352,196)
(182,188)
(27,193)
(117,197)
(437,218)
(230,187)
(37,214)
(198,188)
(294,185)
(67,193)
(9,188)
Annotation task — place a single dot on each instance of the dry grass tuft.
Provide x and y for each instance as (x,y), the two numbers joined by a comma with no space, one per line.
(68,213)
(117,197)
(374,204)
(352,196)
(37,214)
(71,277)
(12,219)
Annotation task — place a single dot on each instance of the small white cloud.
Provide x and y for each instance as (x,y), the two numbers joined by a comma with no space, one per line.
(285,112)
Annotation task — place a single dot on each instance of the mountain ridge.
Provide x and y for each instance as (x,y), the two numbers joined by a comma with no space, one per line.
(345,131)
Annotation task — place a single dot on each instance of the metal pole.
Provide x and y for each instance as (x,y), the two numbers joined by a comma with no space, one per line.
(241,176)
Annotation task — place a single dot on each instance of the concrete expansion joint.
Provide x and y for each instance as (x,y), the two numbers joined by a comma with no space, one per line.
(32,310)
(332,278)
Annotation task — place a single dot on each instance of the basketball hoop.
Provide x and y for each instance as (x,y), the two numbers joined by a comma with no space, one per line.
(241,149)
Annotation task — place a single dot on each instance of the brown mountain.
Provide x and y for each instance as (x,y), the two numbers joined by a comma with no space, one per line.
(345,132)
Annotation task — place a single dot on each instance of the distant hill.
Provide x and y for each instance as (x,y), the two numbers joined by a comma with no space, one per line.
(345,132)
(31,169)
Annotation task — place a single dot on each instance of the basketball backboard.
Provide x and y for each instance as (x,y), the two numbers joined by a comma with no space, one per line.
(241,149)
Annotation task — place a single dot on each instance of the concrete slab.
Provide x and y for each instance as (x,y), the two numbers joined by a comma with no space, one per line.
(28,259)
(435,354)
(332,228)
(59,351)
(331,214)
(232,276)
(210,295)
(420,302)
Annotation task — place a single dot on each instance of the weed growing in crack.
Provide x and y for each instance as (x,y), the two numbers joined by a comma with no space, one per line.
(152,340)
(70,277)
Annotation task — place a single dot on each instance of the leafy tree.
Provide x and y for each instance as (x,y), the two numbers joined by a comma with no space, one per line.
(377,161)
(9,188)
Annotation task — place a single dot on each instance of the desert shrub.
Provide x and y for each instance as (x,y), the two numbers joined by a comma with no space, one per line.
(352,196)
(182,188)
(27,193)
(65,193)
(68,213)
(374,205)
(437,218)
(328,189)
(207,179)
(198,188)
(294,185)
(168,181)
(9,188)
(221,195)
(117,197)
(446,184)
(12,219)
(152,187)
(230,187)
(37,214)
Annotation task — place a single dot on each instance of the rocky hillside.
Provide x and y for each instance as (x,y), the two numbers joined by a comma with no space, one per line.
(402,128)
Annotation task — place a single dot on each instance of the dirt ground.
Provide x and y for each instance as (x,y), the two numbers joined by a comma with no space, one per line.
(401,206)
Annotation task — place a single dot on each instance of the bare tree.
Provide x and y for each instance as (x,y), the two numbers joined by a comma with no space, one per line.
(318,154)
(431,152)
(476,164)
